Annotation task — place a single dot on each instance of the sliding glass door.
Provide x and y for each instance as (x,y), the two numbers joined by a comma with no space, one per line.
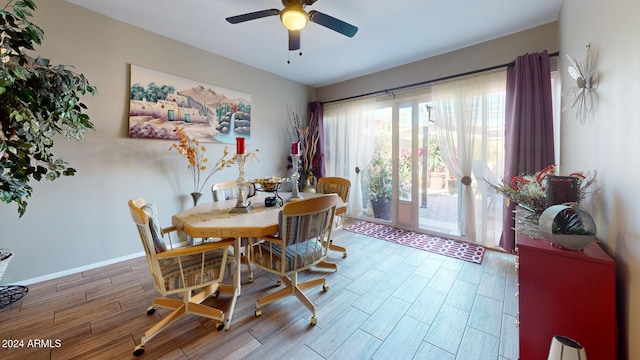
(378,175)
(438,203)
(406,183)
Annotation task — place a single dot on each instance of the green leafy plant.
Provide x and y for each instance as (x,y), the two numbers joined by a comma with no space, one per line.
(436,163)
(405,172)
(568,222)
(380,172)
(38,101)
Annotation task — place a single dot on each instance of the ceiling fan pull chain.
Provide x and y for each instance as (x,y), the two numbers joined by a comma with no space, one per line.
(288,58)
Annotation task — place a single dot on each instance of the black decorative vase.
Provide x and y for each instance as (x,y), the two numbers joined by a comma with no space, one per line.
(195,196)
(562,189)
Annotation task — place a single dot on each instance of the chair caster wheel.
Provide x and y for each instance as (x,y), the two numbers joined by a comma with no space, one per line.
(151,310)
(279,282)
(216,294)
(139,350)
(344,255)
(314,321)
(219,326)
(325,287)
(258,312)
(250,279)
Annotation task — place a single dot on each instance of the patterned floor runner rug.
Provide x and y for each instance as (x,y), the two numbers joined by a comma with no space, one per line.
(447,247)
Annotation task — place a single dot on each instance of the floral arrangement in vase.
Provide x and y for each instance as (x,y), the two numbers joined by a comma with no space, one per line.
(531,191)
(307,135)
(194,152)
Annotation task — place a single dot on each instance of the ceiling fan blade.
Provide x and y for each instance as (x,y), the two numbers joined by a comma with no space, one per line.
(252,16)
(332,23)
(294,40)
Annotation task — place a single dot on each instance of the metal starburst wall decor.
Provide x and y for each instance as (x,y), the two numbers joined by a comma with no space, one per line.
(582,97)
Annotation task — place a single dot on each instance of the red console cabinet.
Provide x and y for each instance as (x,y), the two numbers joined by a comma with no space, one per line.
(568,293)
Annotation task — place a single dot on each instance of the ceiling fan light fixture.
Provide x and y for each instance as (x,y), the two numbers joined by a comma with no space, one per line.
(294,18)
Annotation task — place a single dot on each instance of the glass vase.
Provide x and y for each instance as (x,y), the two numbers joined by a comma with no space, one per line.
(242,206)
(295,177)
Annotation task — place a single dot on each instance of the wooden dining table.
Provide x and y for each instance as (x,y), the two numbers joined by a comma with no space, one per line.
(215,220)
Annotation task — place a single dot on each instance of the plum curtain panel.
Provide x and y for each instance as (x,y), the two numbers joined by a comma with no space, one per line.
(349,139)
(464,109)
(529,126)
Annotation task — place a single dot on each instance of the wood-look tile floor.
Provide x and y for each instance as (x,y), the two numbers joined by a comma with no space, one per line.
(386,301)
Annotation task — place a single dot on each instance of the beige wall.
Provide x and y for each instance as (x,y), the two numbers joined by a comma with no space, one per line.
(496,52)
(608,142)
(83,220)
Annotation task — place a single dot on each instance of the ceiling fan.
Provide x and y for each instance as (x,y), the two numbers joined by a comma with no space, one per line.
(295,18)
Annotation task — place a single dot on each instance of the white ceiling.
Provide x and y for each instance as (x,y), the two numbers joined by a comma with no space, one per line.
(391,33)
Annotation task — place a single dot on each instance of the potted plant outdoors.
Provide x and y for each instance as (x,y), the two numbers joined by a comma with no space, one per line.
(39,102)
(436,165)
(380,182)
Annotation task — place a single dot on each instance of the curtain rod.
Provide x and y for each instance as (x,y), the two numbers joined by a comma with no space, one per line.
(429,81)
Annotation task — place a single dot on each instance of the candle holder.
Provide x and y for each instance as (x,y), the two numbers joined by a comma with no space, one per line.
(242,206)
(295,161)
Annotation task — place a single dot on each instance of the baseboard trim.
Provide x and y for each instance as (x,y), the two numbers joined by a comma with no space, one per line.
(78,269)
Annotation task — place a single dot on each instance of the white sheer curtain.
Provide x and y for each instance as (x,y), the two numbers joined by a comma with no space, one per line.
(349,134)
(465,109)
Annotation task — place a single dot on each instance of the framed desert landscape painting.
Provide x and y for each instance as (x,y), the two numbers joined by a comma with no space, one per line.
(159,102)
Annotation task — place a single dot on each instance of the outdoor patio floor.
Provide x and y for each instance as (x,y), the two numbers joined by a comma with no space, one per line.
(440,214)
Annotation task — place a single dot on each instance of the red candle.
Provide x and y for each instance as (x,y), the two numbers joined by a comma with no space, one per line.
(240,145)
(295,148)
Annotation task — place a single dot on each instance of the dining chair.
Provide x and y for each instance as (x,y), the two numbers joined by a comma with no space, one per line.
(340,186)
(301,243)
(193,273)
(226,191)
